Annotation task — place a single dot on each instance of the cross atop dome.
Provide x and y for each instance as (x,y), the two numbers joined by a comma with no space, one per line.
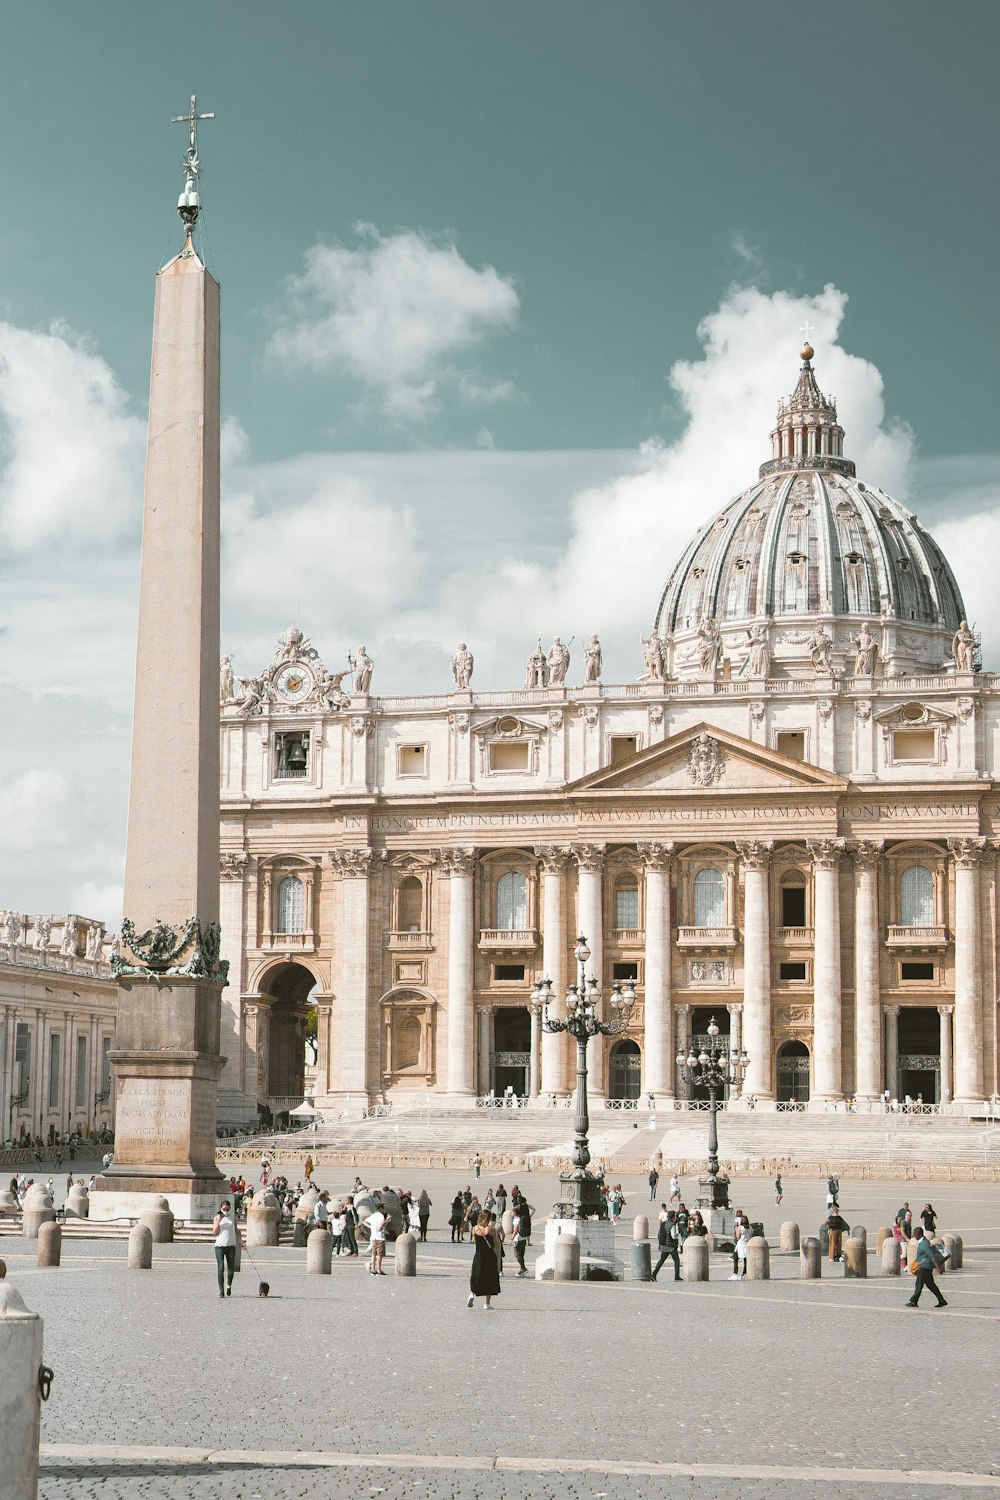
(807,434)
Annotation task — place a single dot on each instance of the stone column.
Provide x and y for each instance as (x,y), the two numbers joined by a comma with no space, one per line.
(683,1027)
(967,854)
(324,1051)
(892,1050)
(735,1041)
(945,1012)
(657,1039)
(533,1059)
(484,1049)
(232,1083)
(827,1002)
(590,920)
(867,948)
(459,865)
(554,861)
(754,855)
(355,1043)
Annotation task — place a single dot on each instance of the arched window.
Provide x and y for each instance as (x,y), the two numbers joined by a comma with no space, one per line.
(291,905)
(916,897)
(709,898)
(627,906)
(512,901)
(410,913)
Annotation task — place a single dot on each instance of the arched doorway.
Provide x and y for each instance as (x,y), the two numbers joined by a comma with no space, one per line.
(289,987)
(793,1073)
(625,1071)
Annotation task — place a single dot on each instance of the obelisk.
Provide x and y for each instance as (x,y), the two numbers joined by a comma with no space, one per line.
(167,1047)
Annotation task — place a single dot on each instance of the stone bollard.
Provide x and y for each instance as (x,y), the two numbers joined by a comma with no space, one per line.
(859,1232)
(789,1236)
(640,1228)
(810,1259)
(507,1221)
(9,1206)
(49,1244)
(77,1205)
(319,1253)
(694,1258)
(300,1233)
(855,1256)
(881,1235)
(20,1397)
(940,1245)
(640,1260)
(38,1210)
(262,1222)
(824,1240)
(160,1221)
(758,1259)
(566,1259)
(911,1255)
(306,1206)
(890,1256)
(140,1248)
(953,1244)
(406,1255)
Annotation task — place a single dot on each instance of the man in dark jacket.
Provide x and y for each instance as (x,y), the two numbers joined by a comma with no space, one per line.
(925,1269)
(667,1240)
(838,1227)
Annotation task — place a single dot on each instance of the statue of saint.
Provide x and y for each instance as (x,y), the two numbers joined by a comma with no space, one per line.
(652,656)
(43,931)
(330,689)
(537,672)
(227,683)
(759,663)
(252,691)
(70,941)
(462,664)
(363,667)
(592,660)
(12,927)
(709,647)
(558,661)
(820,646)
(867,650)
(95,940)
(963,648)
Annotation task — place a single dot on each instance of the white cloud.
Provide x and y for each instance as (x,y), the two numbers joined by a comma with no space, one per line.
(33,811)
(396,313)
(73,454)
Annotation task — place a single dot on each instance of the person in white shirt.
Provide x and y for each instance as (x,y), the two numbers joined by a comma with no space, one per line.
(338,1223)
(321,1213)
(226,1239)
(376,1228)
(414,1216)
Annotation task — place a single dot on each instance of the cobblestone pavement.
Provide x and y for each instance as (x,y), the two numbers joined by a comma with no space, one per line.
(787,1381)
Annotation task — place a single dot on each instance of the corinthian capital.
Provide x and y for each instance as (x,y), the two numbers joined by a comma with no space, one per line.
(866,853)
(754,853)
(825,852)
(458,860)
(553,858)
(657,856)
(967,852)
(589,856)
(353,864)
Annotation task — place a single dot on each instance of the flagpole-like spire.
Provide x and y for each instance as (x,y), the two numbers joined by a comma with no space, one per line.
(189,202)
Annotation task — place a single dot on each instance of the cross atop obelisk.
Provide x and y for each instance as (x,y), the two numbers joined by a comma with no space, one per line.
(189,202)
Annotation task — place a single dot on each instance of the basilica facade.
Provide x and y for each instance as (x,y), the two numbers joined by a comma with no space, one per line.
(788,822)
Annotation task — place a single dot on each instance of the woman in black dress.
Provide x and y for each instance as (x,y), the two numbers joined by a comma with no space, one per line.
(457,1218)
(485,1278)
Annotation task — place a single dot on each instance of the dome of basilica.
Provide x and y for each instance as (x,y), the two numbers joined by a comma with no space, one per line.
(810,548)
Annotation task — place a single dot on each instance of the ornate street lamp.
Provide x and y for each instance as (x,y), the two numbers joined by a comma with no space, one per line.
(713,1068)
(580,1189)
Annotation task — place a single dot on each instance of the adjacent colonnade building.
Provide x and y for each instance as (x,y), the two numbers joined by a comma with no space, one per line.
(788,822)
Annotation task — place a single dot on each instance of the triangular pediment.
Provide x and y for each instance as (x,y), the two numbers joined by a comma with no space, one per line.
(709,760)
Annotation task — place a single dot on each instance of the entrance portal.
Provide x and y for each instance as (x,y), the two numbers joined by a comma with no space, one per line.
(510,1060)
(919,1061)
(290,987)
(625,1073)
(793,1073)
(701,1018)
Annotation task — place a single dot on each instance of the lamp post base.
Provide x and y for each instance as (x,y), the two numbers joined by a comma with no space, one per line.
(579,1196)
(597,1248)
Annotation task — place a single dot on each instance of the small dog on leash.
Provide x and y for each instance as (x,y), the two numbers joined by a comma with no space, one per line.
(263,1288)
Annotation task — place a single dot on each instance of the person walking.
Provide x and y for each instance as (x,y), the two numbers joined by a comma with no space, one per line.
(927,1259)
(477,1164)
(308,1168)
(423,1213)
(521,1230)
(666,1239)
(484,1280)
(654,1178)
(226,1236)
(838,1227)
(350,1228)
(779,1191)
(928,1219)
(675,1188)
(457,1219)
(500,1201)
(337,1222)
(740,1251)
(376,1228)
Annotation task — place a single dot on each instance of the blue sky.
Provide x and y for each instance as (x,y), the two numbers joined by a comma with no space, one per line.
(506,289)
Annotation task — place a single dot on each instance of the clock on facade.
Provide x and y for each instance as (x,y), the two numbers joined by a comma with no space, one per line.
(294,683)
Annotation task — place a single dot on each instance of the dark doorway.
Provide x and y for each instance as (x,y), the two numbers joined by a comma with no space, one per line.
(289,987)
(919,1053)
(701,1018)
(793,1073)
(510,1062)
(625,1072)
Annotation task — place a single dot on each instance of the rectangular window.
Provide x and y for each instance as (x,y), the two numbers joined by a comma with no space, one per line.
(81,1072)
(623,747)
(915,970)
(793,906)
(792,971)
(55,1059)
(22,1056)
(914,744)
(791,742)
(627,907)
(508,973)
(291,755)
(509,755)
(106,1064)
(412,760)
(625,971)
